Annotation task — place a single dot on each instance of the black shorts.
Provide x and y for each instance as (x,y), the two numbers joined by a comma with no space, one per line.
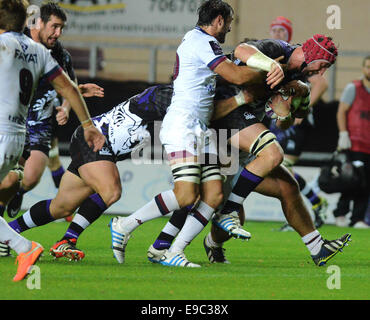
(81,153)
(240,118)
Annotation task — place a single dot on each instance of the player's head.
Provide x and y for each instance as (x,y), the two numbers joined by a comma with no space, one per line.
(52,21)
(320,53)
(211,10)
(366,67)
(281,29)
(13,14)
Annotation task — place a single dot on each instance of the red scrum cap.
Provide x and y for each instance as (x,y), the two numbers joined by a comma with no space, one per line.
(319,47)
(284,23)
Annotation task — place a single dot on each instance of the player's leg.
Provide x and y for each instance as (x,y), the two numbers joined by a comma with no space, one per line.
(35,159)
(8,187)
(33,169)
(11,147)
(293,141)
(319,204)
(73,190)
(260,142)
(196,220)
(28,251)
(186,174)
(54,164)
(88,212)
(103,178)
(177,137)
(280,184)
(167,234)
(284,187)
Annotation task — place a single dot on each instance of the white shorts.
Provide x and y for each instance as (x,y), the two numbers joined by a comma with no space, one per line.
(11,149)
(183,135)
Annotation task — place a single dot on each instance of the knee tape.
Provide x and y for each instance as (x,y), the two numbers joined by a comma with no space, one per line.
(186,171)
(265,139)
(288,163)
(210,173)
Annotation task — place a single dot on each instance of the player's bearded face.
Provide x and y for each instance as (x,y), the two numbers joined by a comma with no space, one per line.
(316,67)
(51,31)
(225,29)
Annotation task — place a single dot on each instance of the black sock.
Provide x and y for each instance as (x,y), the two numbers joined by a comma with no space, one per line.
(37,215)
(90,210)
(57,176)
(306,190)
(245,184)
(175,223)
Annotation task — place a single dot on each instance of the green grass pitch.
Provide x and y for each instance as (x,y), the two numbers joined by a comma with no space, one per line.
(272,265)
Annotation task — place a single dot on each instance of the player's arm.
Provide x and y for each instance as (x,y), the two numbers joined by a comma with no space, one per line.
(254,58)
(239,75)
(87,90)
(63,111)
(344,141)
(318,87)
(224,106)
(69,90)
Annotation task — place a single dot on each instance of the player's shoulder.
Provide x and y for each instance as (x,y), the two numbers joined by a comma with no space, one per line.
(11,39)
(198,35)
(17,40)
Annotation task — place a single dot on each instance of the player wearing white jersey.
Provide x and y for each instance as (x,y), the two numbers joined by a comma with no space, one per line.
(45,112)
(185,134)
(22,63)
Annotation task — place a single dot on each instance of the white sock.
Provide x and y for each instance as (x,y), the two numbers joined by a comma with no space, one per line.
(194,224)
(313,242)
(161,205)
(14,240)
(170,229)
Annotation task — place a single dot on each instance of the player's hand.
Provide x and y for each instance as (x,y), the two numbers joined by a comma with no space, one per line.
(94,138)
(91,90)
(295,88)
(62,115)
(275,75)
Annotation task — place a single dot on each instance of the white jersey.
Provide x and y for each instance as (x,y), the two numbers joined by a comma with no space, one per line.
(22,63)
(194,78)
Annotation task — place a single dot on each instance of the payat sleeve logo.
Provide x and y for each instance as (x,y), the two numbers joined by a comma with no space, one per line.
(217,50)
